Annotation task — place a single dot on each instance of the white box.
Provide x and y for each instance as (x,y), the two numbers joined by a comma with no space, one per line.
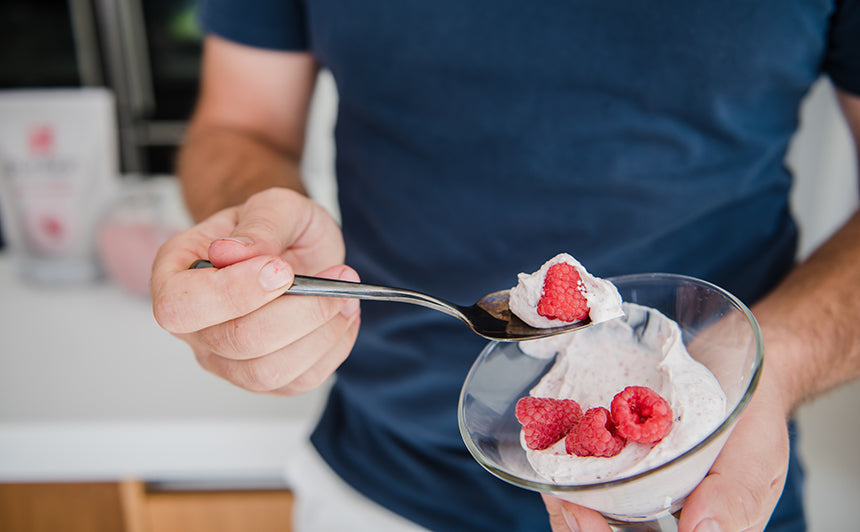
(58,167)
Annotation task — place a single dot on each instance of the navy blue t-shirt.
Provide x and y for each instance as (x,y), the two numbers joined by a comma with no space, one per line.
(477,139)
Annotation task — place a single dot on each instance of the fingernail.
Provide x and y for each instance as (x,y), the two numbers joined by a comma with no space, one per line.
(275,274)
(348,274)
(570,520)
(708,525)
(244,240)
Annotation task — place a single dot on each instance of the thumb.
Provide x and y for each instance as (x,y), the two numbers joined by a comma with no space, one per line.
(721,503)
(266,224)
(745,482)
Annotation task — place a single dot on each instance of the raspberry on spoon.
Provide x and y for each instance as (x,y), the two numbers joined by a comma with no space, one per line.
(563,294)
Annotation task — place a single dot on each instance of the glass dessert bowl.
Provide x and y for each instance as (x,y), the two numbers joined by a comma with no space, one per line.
(717,330)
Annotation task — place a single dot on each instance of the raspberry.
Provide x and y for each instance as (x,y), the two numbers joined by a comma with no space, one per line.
(563,295)
(641,415)
(594,435)
(546,420)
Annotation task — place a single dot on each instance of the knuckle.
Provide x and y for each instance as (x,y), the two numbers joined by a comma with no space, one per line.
(329,335)
(754,503)
(269,194)
(166,313)
(220,367)
(261,196)
(321,309)
(232,295)
(310,379)
(261,375)
(240,336)
(751,507)
(261,227)
(206,360)
(238,373)
(317,374)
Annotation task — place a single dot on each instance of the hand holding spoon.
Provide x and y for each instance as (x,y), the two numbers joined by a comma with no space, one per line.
(489,317)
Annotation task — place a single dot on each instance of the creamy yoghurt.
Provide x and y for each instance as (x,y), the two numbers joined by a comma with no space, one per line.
(604,302)
(642,349)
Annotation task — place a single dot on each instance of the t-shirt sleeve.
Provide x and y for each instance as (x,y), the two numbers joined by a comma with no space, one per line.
(842,61)
(272,24)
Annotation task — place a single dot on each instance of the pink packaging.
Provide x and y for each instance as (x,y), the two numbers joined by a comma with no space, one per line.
(58,167)
(145,213)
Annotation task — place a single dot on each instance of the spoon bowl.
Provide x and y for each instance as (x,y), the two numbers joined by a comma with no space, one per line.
(490,316)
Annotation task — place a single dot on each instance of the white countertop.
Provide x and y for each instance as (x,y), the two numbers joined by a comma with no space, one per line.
(228,452)
(92,388)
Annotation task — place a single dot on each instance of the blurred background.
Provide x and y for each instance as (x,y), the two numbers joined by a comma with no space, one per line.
(146,52)
(107,422)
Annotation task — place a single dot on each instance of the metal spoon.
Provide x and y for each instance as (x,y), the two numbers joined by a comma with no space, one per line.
(490,316)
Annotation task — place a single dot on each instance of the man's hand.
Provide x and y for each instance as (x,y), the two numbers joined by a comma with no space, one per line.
(233,316)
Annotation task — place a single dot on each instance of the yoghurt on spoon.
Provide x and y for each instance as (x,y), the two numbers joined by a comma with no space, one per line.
(562,291)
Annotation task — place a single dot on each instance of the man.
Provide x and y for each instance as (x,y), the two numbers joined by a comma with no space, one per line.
(474,141)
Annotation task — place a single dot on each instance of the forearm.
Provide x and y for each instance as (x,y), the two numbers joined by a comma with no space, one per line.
(811,321)
(220,167)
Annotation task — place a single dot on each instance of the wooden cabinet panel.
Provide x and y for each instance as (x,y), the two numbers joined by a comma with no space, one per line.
(72,507)
(219,511)
(129,506)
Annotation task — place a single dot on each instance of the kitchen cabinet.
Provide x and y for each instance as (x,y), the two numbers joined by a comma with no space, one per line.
(217,511)
(38,507)
(134,506)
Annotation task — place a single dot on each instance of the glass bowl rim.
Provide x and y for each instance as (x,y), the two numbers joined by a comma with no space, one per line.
(728,422)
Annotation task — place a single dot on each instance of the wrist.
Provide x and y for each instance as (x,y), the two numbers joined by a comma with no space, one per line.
(220,168)
(783,369)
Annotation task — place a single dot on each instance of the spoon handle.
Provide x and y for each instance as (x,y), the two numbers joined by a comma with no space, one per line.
(317,286)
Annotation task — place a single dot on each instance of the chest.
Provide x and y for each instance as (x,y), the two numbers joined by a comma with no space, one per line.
(570,43)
